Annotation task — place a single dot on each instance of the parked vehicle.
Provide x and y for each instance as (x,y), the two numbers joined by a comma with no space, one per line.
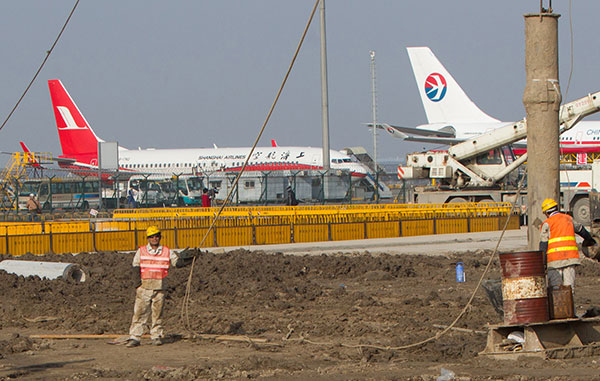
(482,169)
(61,193)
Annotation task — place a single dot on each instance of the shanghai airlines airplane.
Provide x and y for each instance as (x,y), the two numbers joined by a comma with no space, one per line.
(80,150)
(452,117)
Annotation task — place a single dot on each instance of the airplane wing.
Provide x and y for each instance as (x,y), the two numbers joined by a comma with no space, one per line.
(65,160)
(445,131)
(446,141)
(434,140)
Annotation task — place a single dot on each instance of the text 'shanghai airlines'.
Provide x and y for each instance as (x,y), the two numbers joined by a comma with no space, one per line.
(453,117)
(80,150)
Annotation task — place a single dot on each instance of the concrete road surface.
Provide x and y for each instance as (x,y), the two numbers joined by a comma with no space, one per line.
(439,244)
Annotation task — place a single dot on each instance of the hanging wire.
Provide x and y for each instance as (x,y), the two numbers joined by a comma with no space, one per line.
(186,298)
(572,54)
(42,65)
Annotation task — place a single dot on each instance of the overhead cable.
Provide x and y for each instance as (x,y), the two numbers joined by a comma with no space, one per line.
(186,298)
(48,52)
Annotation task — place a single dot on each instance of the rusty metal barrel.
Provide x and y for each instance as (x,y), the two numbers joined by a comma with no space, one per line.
(524,293)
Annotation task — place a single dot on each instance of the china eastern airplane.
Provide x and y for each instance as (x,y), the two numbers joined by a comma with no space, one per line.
(453,117)
(79,145)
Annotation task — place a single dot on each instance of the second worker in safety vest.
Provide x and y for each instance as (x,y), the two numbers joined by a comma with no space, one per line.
(151,263)
(557,240)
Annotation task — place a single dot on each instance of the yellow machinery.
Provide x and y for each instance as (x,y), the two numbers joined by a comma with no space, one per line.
(15,172)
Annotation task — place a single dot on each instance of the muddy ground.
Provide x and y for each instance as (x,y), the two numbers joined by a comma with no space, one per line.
(314,312)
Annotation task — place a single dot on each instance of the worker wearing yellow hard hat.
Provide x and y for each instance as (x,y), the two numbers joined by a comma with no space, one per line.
(548,204)
(557,241)
(151,265)
(152,231)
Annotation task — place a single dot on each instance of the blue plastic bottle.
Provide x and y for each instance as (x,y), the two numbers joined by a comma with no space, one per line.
(460,273)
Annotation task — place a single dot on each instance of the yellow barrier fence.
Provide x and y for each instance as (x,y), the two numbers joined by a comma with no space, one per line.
(252,226)
(311,233)
(492,208)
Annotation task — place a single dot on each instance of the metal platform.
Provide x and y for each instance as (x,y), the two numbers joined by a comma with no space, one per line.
(554,339)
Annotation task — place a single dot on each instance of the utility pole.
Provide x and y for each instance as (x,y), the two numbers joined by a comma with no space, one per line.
(324,90)
(374,113)
(542,100)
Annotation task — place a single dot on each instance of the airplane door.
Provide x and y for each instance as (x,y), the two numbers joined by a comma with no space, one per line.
(579,137)
(315,159)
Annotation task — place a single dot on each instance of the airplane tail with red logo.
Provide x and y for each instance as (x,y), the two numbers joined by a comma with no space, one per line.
(29,156)
(77,139)
(443,99)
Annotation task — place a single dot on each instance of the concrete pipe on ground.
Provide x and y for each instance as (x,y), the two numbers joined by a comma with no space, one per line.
(50,270)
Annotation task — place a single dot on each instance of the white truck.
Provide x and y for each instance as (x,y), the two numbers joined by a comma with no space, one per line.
(482,169)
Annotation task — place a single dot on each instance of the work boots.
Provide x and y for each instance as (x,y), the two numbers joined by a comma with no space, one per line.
(132,343)
(157,341)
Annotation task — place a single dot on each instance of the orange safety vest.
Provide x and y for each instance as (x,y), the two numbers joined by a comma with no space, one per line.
(154,266)
(561,244)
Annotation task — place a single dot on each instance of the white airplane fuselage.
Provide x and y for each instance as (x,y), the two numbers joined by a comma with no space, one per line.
(79,144)
(232,159)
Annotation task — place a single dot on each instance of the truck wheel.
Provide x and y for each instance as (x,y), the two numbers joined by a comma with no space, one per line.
(485,201)
(581,211)
(457,200)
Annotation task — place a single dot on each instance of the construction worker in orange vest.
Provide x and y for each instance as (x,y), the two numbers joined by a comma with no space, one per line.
(151,266)
(557,240)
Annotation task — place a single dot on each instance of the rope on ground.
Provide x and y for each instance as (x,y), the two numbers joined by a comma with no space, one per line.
(42,65)
(460,315)
(302,339)
(186,298)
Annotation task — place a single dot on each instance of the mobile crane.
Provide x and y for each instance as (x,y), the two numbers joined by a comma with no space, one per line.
(482,169)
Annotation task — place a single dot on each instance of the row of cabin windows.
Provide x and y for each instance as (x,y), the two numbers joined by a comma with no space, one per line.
(158,165)
(240,163)
(570,138)
(182,165)
(265,163)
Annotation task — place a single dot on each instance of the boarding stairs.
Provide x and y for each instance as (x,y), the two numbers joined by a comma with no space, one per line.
(19,168)
(361,154)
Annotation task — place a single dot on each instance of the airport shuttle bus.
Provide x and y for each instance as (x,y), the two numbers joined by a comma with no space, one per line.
(61,193)
(189,189)
(183,190)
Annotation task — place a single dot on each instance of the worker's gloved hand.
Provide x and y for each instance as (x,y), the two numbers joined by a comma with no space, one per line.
(588,242)
(543,247)
(186,257)
(183,262)
(137,276)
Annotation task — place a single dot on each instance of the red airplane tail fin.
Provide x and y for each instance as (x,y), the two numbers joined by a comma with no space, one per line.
(29,158)
(77,139)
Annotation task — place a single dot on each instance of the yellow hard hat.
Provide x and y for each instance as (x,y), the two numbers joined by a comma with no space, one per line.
(548,204)
(152,230)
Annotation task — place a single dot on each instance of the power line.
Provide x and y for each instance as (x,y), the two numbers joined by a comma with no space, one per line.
(41,66)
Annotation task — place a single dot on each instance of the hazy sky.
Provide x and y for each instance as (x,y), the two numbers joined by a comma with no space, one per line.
(170,74)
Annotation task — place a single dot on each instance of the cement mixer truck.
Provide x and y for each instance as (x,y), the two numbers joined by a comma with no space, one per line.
(484,168)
